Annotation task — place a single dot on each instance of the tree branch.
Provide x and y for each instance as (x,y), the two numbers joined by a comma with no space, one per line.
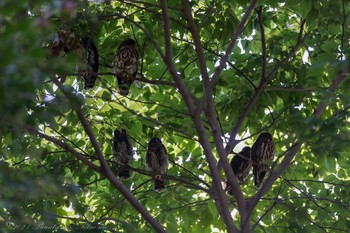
(145,80)
(221,201)
(273,175)
(341,75)
(168,60)
(231,177)
(225,57)
(211,116)
(263,44)
(197,42)
(169,177)
(59,143)
(292,89)
(232,141)
(106,171)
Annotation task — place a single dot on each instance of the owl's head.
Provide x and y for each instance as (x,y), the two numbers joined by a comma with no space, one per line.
(265,135)
(246,151)
(154,141)
(128,42)
(119,134)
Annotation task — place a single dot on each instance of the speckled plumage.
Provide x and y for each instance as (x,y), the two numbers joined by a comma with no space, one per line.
(241,164)
(123,153)
(262,151)
(91,63)
(65,42)
(157,161)
(125,65)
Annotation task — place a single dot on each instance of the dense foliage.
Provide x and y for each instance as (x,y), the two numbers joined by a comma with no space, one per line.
(212,76)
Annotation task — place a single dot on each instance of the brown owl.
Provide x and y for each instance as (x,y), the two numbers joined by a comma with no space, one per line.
(125,65)
(90,63)
(123,153)
(241,165)
(157,161)
(64,41)
(262,151)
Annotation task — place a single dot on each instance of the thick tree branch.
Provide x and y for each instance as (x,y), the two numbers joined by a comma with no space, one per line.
(212,118)
(197,42)
(168,60)
(220,198)
(211,115)
(231,178)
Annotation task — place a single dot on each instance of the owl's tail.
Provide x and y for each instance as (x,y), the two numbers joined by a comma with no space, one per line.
(158,185)
(124,171)
(259,174)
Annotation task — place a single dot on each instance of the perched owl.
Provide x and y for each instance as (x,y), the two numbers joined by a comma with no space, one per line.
(64,41)
(157,161)
(241,165)
(125,65)
(90,63)
(123,153)
(262,151)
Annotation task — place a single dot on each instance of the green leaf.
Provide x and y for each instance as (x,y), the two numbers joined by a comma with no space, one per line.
(106,96)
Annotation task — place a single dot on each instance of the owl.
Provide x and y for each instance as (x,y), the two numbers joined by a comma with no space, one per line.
(122,152)
(90,62)
(263,150)
(64,41)
(157,162)
(125,65)
(241,165)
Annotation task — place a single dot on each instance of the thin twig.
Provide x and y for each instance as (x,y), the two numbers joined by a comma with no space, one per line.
(61,144)
(263,44)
